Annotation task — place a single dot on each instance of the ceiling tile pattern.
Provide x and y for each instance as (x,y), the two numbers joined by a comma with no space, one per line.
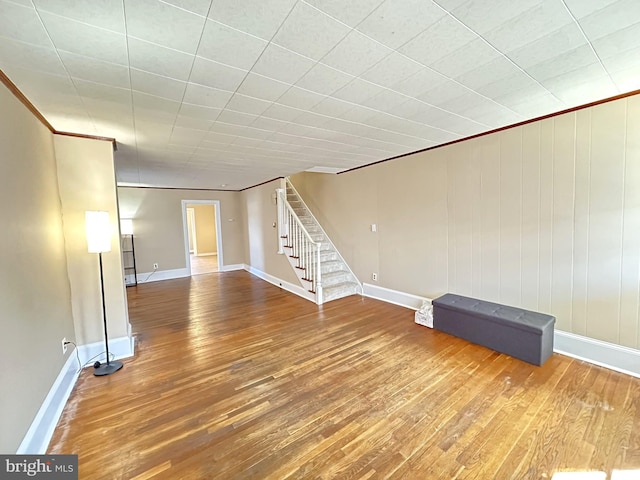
(204,93)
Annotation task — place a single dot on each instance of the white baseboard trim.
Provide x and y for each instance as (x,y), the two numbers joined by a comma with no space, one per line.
(36,440)
(614,357)
(231,268)
(289,287)
(206,254)
(605,354)
(163,275)
(396,297)
(121,347)
(180,273)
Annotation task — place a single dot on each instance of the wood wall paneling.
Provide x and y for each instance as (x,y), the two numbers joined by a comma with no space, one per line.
(530,217)
(545,216)
(582,181)
(563,210)
(510,216)
(630,294)
(476,219)
(605,225)
(545,207)
(490,220)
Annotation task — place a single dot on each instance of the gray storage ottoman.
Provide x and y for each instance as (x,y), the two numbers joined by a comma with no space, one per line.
(520,333)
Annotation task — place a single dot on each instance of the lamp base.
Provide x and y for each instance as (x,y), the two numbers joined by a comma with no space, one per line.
(107,368)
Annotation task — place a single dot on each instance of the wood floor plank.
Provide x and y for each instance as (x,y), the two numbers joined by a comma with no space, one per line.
(236,378)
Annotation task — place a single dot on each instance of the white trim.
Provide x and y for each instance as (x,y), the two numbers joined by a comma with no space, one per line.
(36,440)
(206,254)
(231,268)
(396,297)
(608,355)
(163,275)
(121,347)
(289,287)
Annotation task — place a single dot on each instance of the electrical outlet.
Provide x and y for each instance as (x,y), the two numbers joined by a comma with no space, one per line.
(64,345)
(374,277)
(155,266)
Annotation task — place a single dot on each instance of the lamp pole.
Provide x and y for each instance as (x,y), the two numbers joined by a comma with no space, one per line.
(99,241)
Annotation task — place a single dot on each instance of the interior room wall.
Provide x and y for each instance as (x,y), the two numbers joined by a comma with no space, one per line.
(159,231)
(86,178)
(544,216)
(205,223)
(261,248)
(35,297)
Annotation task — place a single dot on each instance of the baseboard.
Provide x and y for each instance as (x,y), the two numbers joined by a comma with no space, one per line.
(163,275)
(608,355)
(122,347)
(614,357)
(179,273)
(206,254)
(37,438)
(289,287)
(231,268)
(396,297)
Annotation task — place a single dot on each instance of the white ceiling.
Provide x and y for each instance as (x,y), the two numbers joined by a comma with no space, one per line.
(230,93)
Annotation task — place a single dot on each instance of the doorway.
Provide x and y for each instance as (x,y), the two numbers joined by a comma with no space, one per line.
(202,232)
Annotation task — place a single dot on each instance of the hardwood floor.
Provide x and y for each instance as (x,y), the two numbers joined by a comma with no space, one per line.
(235,378)
(204,264)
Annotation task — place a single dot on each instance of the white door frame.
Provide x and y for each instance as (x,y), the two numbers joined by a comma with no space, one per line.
(216,207)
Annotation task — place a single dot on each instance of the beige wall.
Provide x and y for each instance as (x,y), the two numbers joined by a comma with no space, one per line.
(159,231)
(545,216)
(86,178)
(35,298)
(262,238)
(205,228)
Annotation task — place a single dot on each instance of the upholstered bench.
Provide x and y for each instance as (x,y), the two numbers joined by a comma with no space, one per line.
(520,333)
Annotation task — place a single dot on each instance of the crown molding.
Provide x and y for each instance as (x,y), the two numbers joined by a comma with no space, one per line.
(6,81)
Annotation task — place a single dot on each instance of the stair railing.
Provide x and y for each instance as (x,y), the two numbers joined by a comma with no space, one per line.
(290,186)
(293,235)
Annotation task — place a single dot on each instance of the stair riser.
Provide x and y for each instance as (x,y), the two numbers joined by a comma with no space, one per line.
(327,256)
(344,292)
(336,277)
(333,266)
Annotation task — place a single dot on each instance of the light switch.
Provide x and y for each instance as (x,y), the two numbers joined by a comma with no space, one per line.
(374,227)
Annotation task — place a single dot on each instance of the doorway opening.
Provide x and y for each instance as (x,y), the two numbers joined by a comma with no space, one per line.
(202,233)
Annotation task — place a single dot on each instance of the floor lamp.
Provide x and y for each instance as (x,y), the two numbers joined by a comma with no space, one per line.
(99,241)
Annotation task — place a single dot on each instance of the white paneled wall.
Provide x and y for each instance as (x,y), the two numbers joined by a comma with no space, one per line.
(545,216)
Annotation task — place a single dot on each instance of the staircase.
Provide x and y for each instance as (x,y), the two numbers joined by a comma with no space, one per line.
(320,268)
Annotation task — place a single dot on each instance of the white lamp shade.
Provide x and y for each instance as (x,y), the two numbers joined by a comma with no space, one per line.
(98,232)
(126,226)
